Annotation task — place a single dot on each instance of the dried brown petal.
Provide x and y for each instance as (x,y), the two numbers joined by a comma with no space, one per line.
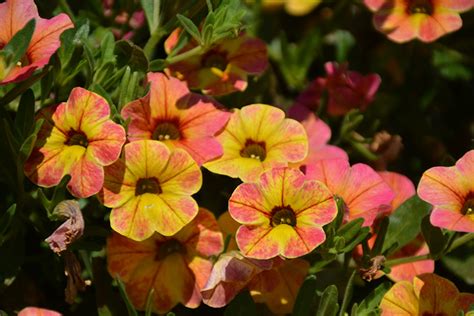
(70,230)
(371,272)
(75,283)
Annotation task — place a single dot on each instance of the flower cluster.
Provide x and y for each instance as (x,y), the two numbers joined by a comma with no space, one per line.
(295,202)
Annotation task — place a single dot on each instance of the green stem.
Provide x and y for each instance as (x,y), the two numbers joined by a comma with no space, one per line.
(461,241)
(396,262)
(152,42)
(457,243)
(190,53)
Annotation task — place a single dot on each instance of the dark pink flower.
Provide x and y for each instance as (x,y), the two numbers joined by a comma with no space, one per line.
(346,90)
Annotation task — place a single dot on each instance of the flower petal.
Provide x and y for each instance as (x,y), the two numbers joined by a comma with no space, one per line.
(181,175)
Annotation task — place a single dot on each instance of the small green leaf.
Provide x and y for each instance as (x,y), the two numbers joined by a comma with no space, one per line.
(241,305)
(129,54)
(328,305)
(434,237)
(190,27)
(17,46)
(157,65)
(152,13)
(5,221)
(350,229)
(371,302)
(405,223)
(305,298)
(123,293)
(347,294)
(28,144)
(25,115)
(379,240)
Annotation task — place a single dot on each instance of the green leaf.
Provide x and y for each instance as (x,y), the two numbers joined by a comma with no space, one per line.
(379,240)
(451,64)
(28,144)
(372,301)
(152,13)
(347,294)
(129,54)
(328,305)
(306,296)
(5,221)
(190,27)
(123,293)
(241,305)
(343,41)
(25,115)
(434,237)
(157,65)
(17,46)
(405,223)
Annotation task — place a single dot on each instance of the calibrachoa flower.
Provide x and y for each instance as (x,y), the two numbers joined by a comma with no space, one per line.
(36,311)
(364,193)
(257,138)
(427,20)
(278,287)
(150,190)
(292,7)
(77,138)
(346,90)
(428,294)
(281,214)
(224,67)
(451,192)
(176,267)
(231,273)
(14,14)
(180,119)
(319,134)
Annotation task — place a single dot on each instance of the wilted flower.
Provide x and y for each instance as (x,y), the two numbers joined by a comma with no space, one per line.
(278,287)
(176,268)
(14,14)
(387,147)
(173,115)
(77,138)
(259,137)
(427,20)
(428,294)
(224,67)
(451,192)
(70,230)
(149,189)
(364,193)
(230,274)
(346,90)
(281,214)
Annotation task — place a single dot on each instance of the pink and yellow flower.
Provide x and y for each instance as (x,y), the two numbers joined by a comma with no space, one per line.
(428,294)
(281,214)
(176,268)
(277,288)
(150,190)
(224,67)
(451,192)
(36,311)
(258,137)
(364,193)
(319,134)
(173,115)
(77,138)
(346,90)
(231,274)
(427,20)
(14,14)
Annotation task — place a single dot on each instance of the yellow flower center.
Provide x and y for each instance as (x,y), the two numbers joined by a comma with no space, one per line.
(77,138)
(214,59)
(167,248)
(254,150)
(283,215)
(147,185)
(166,131)
(420,6)
(468,207)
